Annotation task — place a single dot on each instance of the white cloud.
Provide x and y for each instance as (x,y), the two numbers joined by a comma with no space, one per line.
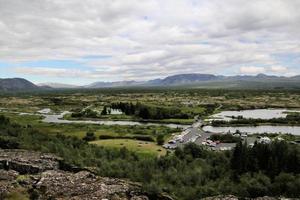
(278,69)
(252,70)
(150,38)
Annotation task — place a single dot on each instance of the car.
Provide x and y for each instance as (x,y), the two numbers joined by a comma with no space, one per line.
(209,141)
(213,144)
(172,142)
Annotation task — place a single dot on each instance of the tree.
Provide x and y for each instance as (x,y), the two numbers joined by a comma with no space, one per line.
(90,136)
(104,111)
(160,140)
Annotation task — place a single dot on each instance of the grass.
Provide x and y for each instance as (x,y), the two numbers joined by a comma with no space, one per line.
(140,147)
(178,121)
(18,194)
(80,130)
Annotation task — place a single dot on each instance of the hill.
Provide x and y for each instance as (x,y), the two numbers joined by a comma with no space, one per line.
(16,84)
(210,81)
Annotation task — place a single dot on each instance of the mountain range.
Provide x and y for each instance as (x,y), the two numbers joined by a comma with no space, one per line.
(188,80)
(208,80)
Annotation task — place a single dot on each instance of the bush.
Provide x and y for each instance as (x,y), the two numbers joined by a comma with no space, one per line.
(160,140)
(225,138)
(90,136)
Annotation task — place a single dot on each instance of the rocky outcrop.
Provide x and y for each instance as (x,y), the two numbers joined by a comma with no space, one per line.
(42,177)
(7,181)
(232,197)
(85,186)
(27,162)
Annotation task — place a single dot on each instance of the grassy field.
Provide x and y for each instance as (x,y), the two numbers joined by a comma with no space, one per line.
(140,147)
(143,148)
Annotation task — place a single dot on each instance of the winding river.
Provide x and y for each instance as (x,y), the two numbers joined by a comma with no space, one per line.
(225,115)
(58,119)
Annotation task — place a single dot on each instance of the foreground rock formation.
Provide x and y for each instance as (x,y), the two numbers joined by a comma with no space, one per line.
(39,176)
(232,197)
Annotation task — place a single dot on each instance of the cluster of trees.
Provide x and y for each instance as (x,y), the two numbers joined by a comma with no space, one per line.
(160,138)
(271,159)
(89,136)
(89,113)
(292,119)
(225,138)
(150,112)
(191,172)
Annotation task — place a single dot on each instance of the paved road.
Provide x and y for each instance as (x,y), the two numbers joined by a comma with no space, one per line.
(190,134)
(197,135)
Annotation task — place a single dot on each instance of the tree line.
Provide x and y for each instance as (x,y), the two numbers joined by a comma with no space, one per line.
(150,112)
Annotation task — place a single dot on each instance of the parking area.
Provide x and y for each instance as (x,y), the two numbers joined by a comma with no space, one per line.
(198,136)
(195,134)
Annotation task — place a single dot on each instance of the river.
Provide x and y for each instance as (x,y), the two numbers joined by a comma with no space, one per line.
(58,119)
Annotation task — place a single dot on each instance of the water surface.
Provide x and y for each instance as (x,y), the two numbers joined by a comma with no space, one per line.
(294,130)
(254,114)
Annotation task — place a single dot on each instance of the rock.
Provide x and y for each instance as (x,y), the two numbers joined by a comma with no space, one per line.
(232,197)
(222,197)
(84,186)
(41,175)
(7,182)
(27,162)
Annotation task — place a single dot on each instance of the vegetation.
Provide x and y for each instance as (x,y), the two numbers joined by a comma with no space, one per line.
(142,148)
(160,139)
(192,172)
(225,138)
(90,136)
(130,152)
(150,112)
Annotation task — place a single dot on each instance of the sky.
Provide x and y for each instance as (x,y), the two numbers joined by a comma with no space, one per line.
(79,42)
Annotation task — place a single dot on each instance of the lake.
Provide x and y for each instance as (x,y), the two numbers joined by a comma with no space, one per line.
(254,114)
(294,130)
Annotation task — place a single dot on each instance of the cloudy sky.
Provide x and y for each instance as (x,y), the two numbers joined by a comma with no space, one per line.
(78,42)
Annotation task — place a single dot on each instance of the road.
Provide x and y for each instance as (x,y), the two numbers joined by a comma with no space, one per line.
(197,135)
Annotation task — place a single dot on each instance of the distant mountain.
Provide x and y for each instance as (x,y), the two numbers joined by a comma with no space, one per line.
(180,79)
(260,81)
(16,84)
(210,80)
(57,85)
(183,79)
(113,84)
(296,77)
